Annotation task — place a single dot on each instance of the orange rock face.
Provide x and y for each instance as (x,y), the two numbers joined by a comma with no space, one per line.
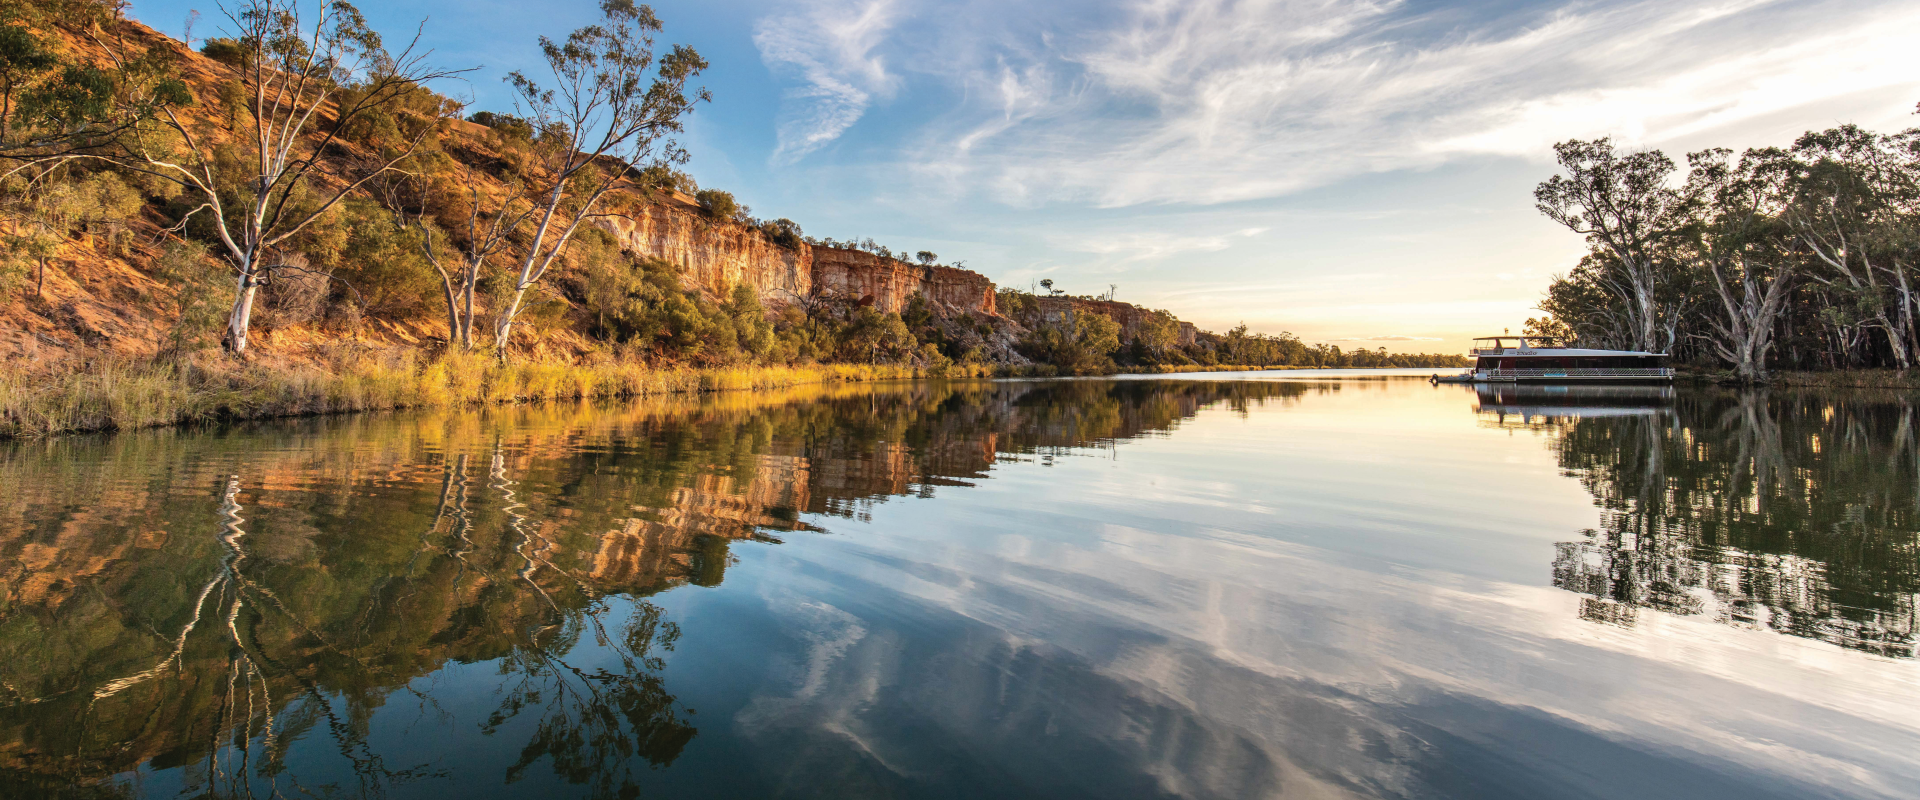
(713,257)
(888,284)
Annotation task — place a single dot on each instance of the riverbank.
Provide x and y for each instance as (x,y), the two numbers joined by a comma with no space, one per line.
(110,392)
(1861,379)
(1837,379)
(115,393)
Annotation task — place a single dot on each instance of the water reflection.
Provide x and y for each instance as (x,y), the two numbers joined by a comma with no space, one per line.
(1546,406)
(200,610)
(1787,511)
(1047,589)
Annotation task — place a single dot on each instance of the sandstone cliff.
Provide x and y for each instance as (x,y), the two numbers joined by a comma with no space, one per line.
(714,256)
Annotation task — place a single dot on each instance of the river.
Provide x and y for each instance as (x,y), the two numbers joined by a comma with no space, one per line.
(1283,584)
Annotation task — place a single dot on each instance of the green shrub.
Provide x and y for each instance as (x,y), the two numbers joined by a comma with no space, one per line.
(720,205)
(230,52)
(663,178)
(1081,343)
(783,232)
(875,338)
(643,305)
(380,265)
(202,295)
(507,125)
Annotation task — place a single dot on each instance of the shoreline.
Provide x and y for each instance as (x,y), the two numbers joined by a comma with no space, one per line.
(113,393)
(1833,379)
(1852,379)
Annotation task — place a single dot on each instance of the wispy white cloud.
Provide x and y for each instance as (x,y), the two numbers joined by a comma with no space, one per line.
(1084,139)
(1208,101)
(1722,92)
(831,50)
(1149,245)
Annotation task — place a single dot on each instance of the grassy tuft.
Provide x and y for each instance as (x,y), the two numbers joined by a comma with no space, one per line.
(120,393)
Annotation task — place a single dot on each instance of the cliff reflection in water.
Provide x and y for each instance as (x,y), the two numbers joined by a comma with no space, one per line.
(1779,510)
(195,604)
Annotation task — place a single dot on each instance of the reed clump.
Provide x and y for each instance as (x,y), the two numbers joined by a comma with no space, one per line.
(112,392)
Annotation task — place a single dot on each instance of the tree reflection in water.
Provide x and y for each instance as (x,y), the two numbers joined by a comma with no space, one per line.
(261,659)
(202,605)
(594,722)
(1781,510)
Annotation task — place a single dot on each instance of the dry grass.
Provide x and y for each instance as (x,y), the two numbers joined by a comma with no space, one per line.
(111,392)
(120,393)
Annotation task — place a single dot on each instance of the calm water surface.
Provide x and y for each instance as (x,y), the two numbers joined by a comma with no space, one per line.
(1267,585)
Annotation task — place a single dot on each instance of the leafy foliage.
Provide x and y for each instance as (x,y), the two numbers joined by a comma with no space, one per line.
(1075,341)
(380,267)
(1801,257)
(720,204)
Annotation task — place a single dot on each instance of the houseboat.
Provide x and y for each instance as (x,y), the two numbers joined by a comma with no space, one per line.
(1542,359)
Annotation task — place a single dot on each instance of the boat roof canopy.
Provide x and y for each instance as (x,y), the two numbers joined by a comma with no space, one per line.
(1535,343)
(1521,341)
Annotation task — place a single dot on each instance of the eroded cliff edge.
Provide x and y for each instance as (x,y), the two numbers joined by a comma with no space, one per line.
(715,256)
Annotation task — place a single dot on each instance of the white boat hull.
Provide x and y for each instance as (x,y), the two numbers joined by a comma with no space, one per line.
(1571,375)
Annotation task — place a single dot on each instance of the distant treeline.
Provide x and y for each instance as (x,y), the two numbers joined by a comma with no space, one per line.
(1238,346)
(1088,341)
(1802,257)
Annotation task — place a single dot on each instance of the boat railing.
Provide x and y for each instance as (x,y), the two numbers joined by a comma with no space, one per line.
(1584,372)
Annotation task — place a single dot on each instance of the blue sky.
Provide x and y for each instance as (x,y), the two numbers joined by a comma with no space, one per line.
(1353,172)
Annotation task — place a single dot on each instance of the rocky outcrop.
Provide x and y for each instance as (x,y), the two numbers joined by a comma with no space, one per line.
(713,257)
(889,284)
(1130,316)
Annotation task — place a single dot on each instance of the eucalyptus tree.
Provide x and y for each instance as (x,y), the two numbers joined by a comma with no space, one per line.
(461,262)
(1591,313)
(1158,333)
(1621,202)
(1805,255)
(1854,209)
(278,162)
(1741,242)
(602,118)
